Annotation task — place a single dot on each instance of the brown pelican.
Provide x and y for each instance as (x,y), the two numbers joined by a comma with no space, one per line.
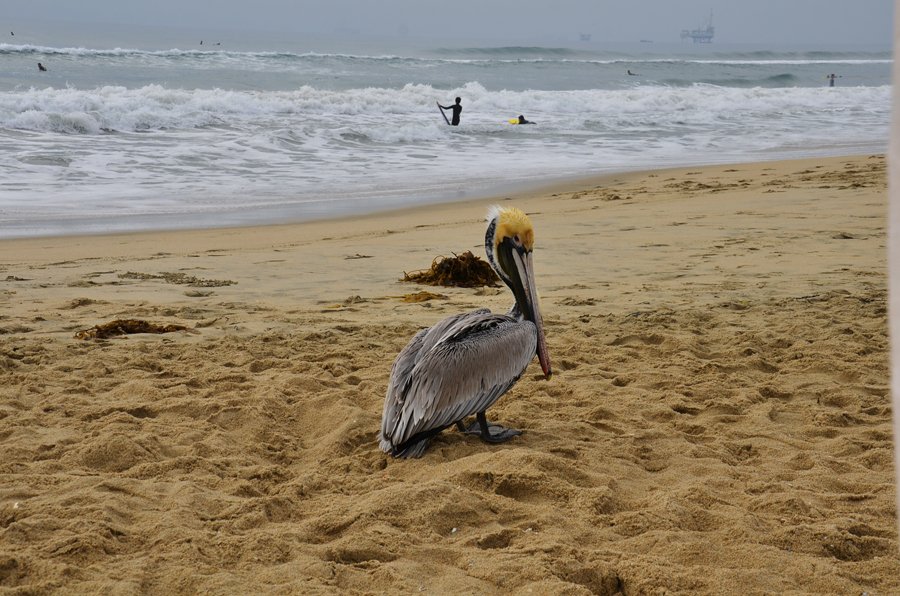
(463,364)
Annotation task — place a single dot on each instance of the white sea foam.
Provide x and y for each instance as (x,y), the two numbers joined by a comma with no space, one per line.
(156,108)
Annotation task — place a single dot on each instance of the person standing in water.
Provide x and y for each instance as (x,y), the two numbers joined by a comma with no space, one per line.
(457,109)
(831,79)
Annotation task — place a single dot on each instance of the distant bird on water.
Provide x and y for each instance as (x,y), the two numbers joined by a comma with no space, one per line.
(463,364)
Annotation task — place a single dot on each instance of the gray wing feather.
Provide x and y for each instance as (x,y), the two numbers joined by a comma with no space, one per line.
(459,367)
(401,376)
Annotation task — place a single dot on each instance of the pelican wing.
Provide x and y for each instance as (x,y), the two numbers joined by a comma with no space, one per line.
(457,368)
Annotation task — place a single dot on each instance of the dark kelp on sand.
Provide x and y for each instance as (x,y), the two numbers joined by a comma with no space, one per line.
(463,271)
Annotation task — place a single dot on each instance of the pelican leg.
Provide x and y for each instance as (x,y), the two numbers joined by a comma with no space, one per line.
(489,433)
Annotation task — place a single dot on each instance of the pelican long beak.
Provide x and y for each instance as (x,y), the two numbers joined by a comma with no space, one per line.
(521,273)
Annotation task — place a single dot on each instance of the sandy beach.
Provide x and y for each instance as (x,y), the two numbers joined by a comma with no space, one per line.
(719,419)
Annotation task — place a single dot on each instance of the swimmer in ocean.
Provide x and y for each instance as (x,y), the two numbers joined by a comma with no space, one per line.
(457,109)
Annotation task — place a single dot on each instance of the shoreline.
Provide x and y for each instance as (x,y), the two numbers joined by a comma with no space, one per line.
(523,191)
(492,192)
(719,412)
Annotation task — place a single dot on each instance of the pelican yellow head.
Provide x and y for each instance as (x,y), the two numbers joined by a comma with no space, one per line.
(514,224)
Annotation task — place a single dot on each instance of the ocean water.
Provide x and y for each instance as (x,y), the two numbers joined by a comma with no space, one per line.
(155,132)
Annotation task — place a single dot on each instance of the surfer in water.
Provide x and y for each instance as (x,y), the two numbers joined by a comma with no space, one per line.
(457,109)
(41,67)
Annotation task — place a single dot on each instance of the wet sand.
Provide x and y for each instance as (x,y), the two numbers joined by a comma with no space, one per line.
(718,422)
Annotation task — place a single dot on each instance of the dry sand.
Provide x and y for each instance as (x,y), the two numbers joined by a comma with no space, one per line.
(719,420)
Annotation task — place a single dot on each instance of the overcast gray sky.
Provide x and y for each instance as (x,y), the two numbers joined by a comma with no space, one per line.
(736,21)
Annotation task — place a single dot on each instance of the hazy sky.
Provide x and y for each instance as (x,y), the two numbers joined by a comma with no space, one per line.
(737,21)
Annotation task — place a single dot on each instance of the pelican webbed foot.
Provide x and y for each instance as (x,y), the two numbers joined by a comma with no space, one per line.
(489,433)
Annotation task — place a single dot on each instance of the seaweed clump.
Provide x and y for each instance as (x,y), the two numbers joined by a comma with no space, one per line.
(125,327)
(462,271)
(179,278)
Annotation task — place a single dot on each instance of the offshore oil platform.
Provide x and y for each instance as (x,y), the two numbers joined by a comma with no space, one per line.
(701,34)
